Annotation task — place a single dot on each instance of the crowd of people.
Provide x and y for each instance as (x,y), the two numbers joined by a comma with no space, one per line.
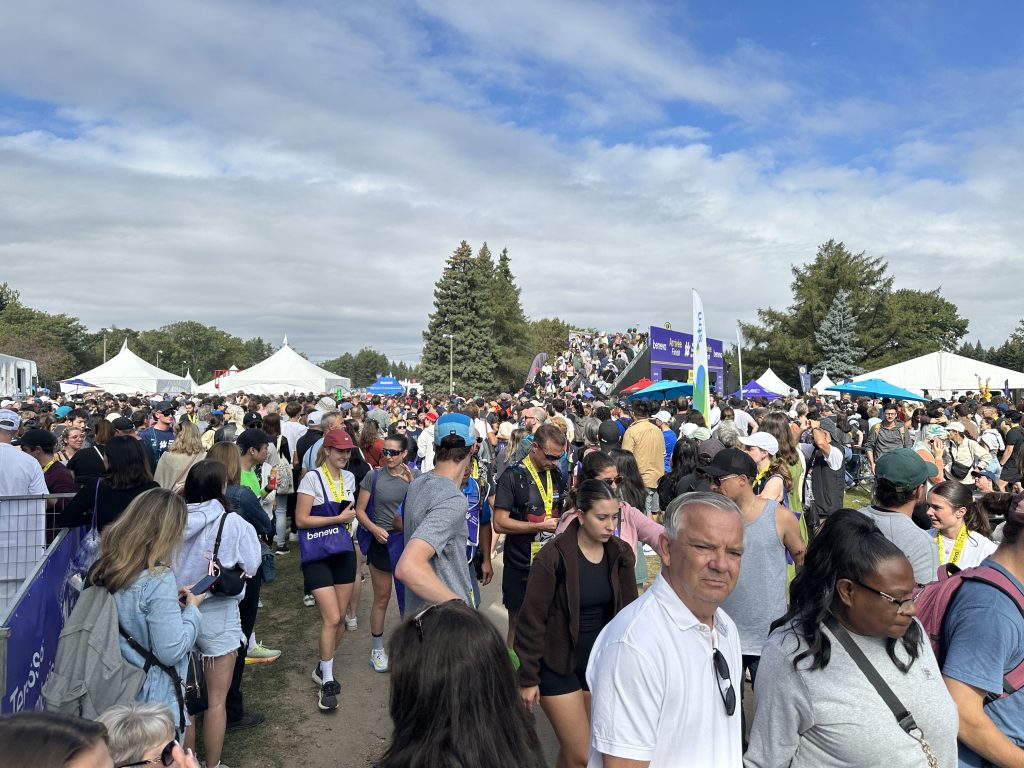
(768,584)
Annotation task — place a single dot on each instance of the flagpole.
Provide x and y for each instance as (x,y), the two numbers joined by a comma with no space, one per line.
(739,356)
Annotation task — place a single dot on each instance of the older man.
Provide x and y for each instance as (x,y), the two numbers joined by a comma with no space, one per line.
(673,656)
(22,523)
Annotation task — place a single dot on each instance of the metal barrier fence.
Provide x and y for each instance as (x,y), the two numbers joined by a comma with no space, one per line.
(35,596)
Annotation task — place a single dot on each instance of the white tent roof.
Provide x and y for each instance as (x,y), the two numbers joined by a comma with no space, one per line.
(284,371)
(190,381)
(943,372)
(823,383)
(128,373)
(770,381)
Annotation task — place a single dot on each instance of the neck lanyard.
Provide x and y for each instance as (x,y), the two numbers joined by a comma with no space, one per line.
(50,464)
(761,473)
(547,495)
(958,546)
(338,495)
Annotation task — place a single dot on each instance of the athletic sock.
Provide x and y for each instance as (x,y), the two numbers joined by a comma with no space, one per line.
(327,669)
(378,641)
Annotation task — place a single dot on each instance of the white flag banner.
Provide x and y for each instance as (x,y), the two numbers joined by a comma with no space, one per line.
(701,389)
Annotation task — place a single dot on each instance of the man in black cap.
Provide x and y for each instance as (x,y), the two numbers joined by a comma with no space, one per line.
(123,427)
(160,436)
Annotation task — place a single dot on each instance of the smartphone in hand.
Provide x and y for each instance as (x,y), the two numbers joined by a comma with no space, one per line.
(203,585)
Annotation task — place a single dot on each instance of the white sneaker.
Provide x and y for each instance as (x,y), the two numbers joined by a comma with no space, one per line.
(379,660)
(293,537)
(351,623)
(308,600)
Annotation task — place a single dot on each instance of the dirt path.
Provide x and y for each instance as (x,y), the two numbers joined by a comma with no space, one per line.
(296,732)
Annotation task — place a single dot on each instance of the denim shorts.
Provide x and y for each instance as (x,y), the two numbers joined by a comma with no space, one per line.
(220,631)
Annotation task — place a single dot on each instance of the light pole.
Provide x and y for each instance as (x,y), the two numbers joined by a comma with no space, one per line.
(183,364)
(158,353)
(104,343)
(451,364)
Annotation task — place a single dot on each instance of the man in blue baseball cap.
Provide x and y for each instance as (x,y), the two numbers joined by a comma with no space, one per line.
(433,565)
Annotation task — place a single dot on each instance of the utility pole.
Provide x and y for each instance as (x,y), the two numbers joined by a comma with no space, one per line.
(451,363)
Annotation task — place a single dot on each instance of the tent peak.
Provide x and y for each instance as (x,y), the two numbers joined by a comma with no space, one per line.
(124,346)
(285,342)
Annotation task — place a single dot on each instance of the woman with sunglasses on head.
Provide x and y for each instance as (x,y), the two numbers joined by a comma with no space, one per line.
(961,530)
(634,526)
(323,511)
(381,494)
(851,609)
(577,583)
(141,734)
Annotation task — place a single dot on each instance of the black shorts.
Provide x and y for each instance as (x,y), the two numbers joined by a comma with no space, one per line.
(336,569)
(377,556)
(513,587)
(554,684)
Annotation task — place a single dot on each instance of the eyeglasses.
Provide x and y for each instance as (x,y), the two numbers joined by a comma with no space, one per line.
(417,620)
(894,600)
(392,451)
(166,757)
(725,689)
(720,480)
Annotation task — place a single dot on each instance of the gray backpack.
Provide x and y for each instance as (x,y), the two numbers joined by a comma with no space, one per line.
(89,673)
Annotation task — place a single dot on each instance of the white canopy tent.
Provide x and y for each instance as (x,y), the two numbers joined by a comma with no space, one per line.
(943,372)
(190,381)
(128,373)
(770,381)
(823,383)
(284,371)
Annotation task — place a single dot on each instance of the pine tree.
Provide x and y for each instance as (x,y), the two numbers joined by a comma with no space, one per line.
(510,327)
(460,309)
(837,342)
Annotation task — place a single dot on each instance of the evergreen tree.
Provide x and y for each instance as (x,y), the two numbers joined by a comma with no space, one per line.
(510,327)
(461,310)
(837,342)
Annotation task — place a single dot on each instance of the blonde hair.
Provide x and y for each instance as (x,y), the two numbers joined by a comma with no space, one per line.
(227,454)
(146,536)
(187,439)
(134,729)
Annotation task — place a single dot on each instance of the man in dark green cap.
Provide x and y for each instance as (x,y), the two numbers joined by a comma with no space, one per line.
(900,478)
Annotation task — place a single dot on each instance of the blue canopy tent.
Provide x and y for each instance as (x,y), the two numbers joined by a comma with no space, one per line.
(666,389)
(753,389)
(386,385)
(877,388)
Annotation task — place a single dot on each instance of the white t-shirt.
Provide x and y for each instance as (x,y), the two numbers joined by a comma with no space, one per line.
(744,421)
(310,485)
(22,523)
(292,431)
(976,549)
(655,692)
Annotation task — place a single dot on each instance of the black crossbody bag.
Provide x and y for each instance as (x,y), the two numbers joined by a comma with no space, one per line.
(901,713)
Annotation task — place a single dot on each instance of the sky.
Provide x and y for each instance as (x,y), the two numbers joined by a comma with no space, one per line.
(305,168)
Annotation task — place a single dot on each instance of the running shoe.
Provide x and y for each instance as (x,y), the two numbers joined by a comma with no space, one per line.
(281,549)
(351,623)
(328,697)
(260,654)
(318,677)
(379,660)
(308,600)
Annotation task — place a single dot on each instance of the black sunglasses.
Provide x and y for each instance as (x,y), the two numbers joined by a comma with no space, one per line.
(166,757)
(617,480)
(725,689)
(399,426)
(391,451)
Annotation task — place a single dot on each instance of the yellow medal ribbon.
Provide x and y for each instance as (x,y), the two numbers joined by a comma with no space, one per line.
(50,464)
(335,493)
(547,494)
(958,546)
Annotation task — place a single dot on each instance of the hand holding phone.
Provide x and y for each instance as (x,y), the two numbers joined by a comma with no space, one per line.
(203,585)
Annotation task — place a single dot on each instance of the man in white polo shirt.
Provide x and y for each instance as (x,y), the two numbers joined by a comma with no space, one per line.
(665,674)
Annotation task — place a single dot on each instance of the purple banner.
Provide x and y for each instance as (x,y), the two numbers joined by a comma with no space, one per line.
(674,348)
(35,625)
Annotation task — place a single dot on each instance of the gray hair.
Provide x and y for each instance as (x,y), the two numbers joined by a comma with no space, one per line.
(728,434)
(134,729)
(675,515)
(327,420)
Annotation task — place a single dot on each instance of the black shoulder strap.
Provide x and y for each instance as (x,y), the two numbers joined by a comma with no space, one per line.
(220,533)
(903,716)
(153,661)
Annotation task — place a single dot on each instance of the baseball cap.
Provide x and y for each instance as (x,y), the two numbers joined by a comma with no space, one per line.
(608,435)
(701,433)
(340,439)
(688,429)
(252,419)
(663,416)
(39,438)
(762,440)
(731,461)
(113,416)
(326,404)
(165,407)
(346,406)
(63,411)
(252,438)
(9,420)
(430,416)
(904,468)
(457,424)
(935,430)
(976,472)
(314,418)
(123,424)
(956,426)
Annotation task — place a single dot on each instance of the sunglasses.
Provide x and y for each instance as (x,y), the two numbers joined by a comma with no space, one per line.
(392,451)
(617,480)
(417,620)
(725,689)
(720,480)
(550,456)
(399,426)
(166,757)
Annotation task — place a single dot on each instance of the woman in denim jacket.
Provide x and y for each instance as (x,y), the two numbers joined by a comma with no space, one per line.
(132,566)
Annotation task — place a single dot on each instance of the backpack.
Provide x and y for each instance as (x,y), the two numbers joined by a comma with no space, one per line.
(933,604)
(878,428)
(90,674)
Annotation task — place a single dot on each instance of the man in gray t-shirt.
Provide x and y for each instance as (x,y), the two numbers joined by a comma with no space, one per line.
(433,565)
(900,478)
